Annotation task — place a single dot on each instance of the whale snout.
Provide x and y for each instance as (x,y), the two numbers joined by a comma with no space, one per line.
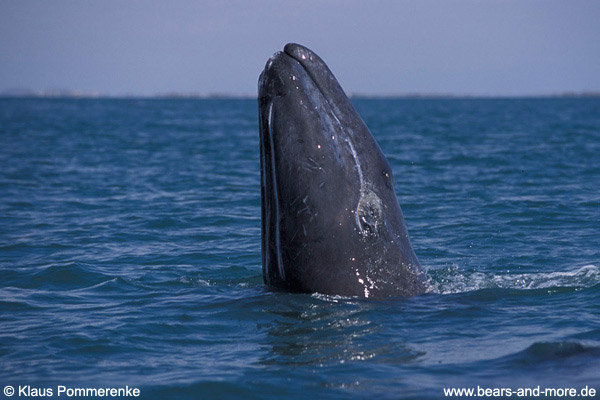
(298,52)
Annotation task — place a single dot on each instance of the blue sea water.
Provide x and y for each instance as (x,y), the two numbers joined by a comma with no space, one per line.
(130,253)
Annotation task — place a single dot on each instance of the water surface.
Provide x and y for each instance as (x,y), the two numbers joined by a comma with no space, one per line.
(130,253)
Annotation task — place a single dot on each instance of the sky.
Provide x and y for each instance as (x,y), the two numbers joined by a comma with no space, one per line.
(375,47)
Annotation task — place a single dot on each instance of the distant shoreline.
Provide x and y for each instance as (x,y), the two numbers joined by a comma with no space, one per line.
(23,94)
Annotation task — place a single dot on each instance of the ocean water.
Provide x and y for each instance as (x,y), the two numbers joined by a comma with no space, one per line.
(130,253)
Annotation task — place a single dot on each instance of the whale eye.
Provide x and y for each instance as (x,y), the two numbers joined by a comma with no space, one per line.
(369,214)
(368,220)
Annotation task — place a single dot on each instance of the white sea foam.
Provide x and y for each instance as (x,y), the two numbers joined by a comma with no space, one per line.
(454,280)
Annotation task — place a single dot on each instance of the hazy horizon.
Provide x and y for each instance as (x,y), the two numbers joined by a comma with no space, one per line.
(383,48)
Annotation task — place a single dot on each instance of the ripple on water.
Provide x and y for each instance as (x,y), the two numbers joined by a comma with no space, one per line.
(130,252)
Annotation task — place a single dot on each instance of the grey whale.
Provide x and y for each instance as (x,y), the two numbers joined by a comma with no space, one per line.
(331,221)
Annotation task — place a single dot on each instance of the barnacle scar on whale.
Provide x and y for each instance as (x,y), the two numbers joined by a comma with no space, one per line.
(331,222)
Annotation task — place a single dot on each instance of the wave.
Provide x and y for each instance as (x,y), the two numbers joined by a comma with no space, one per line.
(542,352)
(63,276)
(454,280)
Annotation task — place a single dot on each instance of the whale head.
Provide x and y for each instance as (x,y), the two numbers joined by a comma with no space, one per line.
(331,222)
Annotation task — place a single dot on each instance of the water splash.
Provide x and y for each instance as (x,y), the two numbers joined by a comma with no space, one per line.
(455,280)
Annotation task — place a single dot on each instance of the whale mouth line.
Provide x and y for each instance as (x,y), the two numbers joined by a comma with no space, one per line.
(348,139)
(302,59)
